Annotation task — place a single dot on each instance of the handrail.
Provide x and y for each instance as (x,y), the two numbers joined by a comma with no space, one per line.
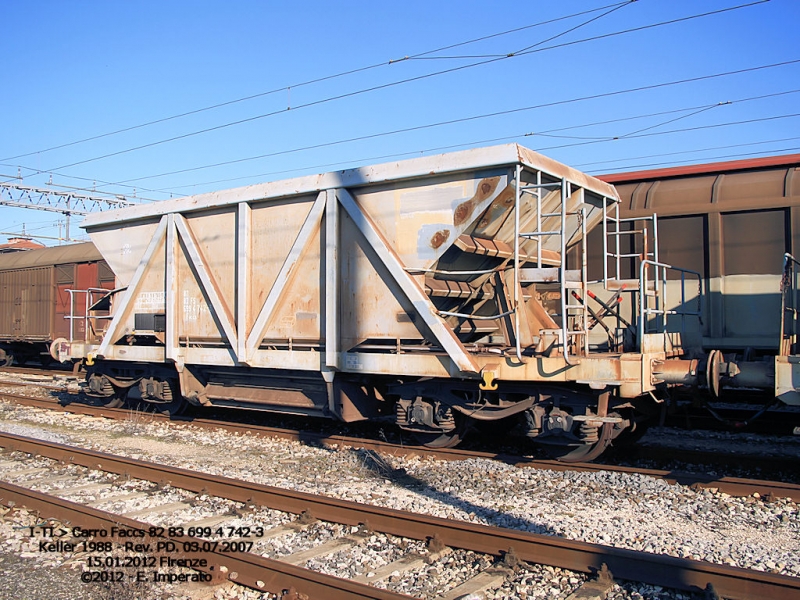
(661,296)
(617,254)
(788,291)
(517,198)
(565,332)
(88,301)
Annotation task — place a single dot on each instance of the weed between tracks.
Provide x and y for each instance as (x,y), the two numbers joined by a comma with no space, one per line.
(144,426)
(136,423)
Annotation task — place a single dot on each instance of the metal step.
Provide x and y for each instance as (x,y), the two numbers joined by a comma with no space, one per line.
(442,288)
(622,284)
(550,275)
(500,249)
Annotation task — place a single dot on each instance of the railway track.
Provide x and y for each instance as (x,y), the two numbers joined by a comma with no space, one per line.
(44,371)
(53,380)
(501,549)
(735,486)
(735,417)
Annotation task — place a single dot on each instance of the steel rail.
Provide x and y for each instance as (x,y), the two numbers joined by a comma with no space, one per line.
(18,370)
(251,570)
(56,387)
(667,571)
(735,486)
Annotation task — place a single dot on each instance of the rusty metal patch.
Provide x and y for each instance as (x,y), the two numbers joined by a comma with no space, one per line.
(498,207)
(486,188)
(439,238)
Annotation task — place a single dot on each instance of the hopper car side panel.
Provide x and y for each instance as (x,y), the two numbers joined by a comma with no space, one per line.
(404,291)
(276,312)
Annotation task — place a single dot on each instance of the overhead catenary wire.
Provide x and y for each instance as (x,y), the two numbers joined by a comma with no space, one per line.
(679,152)
(615,138)
(671,131)
(489,115)
(673,120)
(399,82)
(550,133)
(470,144)
(308,82)
(695,111)
(602,36)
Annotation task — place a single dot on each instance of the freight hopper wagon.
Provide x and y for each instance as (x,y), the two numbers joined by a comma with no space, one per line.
(435,293)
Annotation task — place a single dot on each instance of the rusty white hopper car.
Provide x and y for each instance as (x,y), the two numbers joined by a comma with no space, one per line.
(434,293)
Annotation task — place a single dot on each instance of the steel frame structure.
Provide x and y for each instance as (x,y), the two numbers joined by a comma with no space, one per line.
(65,202)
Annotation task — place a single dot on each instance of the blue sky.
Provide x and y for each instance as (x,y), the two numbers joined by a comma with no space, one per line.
(79,69)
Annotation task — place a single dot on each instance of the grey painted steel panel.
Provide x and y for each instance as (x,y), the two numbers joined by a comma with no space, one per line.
(245,276)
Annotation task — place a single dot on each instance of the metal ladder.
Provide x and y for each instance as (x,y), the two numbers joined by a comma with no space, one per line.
(574,317)
(653,308)
(613,255)
(89,300)
(612,231)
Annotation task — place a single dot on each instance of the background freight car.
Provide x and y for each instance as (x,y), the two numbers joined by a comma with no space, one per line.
(35,301)
(731,222)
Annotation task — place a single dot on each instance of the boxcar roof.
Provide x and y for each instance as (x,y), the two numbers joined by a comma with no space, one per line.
(748,164)
(57,255)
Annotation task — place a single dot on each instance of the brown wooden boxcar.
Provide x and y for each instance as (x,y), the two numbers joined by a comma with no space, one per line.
(35,301)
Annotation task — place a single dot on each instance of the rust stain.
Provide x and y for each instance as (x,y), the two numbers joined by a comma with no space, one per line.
(507,196)
(439,238)
(498,207)
(485,189)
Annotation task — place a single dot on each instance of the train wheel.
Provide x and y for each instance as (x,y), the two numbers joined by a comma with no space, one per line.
(630,436)
(576,452)
(168,409)
(6,359)
(158,397)
(438,440)
(105,392)
(441,439)
(115,401)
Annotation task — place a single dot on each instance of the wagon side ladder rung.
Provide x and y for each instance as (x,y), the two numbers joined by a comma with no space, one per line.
(574,318)
(614,253)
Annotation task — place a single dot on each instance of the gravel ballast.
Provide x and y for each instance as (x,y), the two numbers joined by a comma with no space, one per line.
(622,510)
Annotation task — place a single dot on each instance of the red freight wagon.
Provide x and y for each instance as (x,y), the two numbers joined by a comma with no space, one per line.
(39,290)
